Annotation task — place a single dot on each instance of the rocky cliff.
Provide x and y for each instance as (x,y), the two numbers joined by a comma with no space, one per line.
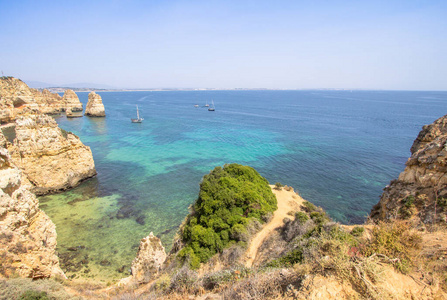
(420,192)
(50,158)
(71,101)
(28,236)
(94,107)
(17,99)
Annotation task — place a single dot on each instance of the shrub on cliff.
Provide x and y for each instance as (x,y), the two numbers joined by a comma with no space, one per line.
(231,200)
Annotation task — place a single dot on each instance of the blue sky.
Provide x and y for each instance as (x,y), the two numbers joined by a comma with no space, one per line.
(228,44)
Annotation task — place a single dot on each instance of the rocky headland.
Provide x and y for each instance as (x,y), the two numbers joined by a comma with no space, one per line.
(28,236)
(95,107)
(420,192)
(51,159)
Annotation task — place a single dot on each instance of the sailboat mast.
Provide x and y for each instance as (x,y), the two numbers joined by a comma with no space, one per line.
(138,114)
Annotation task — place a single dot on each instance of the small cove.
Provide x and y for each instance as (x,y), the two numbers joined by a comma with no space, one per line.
(337,148)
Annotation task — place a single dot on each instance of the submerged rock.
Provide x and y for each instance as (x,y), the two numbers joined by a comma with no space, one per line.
(28,236)
(421,189)
(150,258)
(95,108)
(51,159)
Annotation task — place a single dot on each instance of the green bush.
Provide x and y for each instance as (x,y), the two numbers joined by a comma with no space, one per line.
(301,217)
(357,231)
(230,200)
(278,186)
(34,295)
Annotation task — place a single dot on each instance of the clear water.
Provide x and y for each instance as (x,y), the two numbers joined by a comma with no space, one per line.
(339,149)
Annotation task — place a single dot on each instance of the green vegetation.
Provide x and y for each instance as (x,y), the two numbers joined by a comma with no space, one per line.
(278,186)
(408,207)
(231,200)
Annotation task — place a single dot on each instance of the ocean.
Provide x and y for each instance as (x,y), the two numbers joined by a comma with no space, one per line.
(338,149)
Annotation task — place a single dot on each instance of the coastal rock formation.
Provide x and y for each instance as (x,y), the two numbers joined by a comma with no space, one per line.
(50,158)
(16,99)
(421,189)
(95,108)
(71,101)
(28,236)
(49,103)
(150,257)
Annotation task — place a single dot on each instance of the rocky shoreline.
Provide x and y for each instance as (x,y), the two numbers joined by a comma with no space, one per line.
(37,157)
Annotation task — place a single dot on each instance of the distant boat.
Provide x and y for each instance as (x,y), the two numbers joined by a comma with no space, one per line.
(212,107)
(207,105)
(196,105)
(138,119)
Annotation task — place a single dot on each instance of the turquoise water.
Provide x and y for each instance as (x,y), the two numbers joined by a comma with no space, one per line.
(339,149)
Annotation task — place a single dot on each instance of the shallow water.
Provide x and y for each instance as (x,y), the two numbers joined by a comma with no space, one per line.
(338,148)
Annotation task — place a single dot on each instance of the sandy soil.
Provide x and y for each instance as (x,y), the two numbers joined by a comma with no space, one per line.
(287,201)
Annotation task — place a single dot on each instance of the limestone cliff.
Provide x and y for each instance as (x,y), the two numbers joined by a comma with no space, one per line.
(95,108)
(421,189)
(49,103)
(28,236)
(50,158)
(17,99)
(71,101)
(149,260)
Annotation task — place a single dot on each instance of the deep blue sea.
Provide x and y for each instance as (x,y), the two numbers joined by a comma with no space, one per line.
(338,149)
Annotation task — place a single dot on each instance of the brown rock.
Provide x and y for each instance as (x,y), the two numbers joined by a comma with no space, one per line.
(71,101)
(94,108)
(150,258)
(421,187)
(28,237)
(50,158)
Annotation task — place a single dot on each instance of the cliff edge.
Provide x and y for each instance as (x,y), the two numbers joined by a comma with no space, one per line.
(51,159)
(28,236)
(420,192)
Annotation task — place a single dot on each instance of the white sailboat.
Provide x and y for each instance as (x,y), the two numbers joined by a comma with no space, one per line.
(138,119)
(206,104)
(212,107)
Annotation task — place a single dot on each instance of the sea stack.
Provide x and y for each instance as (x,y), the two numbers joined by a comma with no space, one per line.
(95,108)
(420,192)
(71,101)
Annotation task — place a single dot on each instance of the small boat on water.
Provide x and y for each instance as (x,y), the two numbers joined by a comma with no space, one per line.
(212,107)
(206,104)
(196,105)
(138,119)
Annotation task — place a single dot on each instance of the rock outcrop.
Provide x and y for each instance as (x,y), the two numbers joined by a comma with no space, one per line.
(71,101)
(94,107)
(421,189)
(150,258)
(50,158)
(28,236)
(17,99)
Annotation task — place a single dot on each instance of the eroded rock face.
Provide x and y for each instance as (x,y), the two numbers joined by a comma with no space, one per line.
(71,101)
(95,108)
(28,236)
(50,158)
(421,189)
(17,99)
(150,258)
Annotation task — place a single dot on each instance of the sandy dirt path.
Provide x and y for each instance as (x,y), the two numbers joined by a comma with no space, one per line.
(287,201)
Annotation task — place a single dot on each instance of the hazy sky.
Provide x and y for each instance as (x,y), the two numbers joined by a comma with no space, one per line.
(224,44)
